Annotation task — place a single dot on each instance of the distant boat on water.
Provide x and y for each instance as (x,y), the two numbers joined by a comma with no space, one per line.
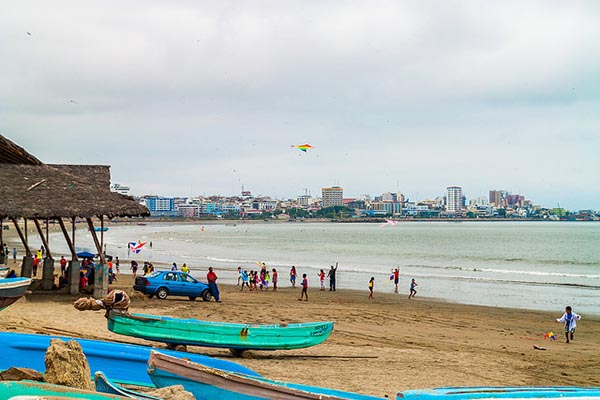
(101,229)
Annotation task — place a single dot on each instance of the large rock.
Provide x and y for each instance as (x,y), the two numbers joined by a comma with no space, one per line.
(66,365)
(176,392)
(21,374)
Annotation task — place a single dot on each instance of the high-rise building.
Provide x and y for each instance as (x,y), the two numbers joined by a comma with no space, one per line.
(333,196)
(454,199)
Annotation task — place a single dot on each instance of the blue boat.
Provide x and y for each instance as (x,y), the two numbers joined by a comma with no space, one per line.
(491,392)
(207,383)
(124,363)
(11,290)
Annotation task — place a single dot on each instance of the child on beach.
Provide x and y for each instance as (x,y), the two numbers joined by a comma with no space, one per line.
(244,276)
(371,283)
(275,278)
(570,319)
(304,288)
(322,279)
(413,292)
(293,276)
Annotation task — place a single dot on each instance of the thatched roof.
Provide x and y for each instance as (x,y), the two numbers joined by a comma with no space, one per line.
(10,153)
(53,191)
(31,189)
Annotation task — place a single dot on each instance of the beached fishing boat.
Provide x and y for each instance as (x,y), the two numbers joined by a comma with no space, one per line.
(37,390)
(207,383)
(124,363)
(11,290)
(237,337)
(509,392)
(105,385)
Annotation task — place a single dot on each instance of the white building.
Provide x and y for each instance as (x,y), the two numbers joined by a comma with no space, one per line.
(333,196)
(121,189)
(454,199)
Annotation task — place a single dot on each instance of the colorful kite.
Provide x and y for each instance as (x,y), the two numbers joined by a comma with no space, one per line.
(136,248)
(550,335)
(303,147)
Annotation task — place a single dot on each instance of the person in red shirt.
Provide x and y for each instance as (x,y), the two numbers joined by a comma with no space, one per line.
(211,277)
(396,275)
(304,288)
(63,265)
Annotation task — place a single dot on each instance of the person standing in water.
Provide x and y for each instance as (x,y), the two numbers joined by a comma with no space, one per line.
(331,275)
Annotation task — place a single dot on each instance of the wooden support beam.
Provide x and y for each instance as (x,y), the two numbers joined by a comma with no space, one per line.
(101,271)
(95,238)
(63,228)
(44,241)
(22,237)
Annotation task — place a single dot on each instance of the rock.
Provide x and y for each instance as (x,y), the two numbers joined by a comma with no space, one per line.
(21,374)
(176,392)
(66,365)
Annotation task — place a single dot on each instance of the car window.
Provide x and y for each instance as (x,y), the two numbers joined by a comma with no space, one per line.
(153,275)
(170,276)
(186,278)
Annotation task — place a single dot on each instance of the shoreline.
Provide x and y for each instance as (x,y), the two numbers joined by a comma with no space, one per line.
(377,347)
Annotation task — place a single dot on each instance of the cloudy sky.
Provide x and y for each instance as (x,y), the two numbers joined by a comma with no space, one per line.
(192,97)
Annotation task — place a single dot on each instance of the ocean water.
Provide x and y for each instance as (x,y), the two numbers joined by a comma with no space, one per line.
(530,265)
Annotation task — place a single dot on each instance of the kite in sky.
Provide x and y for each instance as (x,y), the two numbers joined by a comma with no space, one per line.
(303,147)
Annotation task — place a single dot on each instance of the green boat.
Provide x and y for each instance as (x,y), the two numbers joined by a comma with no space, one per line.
(237,337)
(38,390)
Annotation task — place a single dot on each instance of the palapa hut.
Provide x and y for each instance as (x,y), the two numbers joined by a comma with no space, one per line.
(32,190)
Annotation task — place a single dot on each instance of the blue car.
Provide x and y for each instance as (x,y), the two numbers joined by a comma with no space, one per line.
(174,283)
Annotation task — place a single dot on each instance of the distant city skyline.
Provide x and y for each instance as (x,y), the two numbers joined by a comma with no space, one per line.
(204,97)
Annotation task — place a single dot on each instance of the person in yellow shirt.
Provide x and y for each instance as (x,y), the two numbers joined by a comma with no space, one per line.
(185,268)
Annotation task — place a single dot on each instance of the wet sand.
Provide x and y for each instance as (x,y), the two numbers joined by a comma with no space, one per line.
(378,347)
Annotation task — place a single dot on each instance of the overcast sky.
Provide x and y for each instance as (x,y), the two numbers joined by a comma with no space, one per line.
(192,97)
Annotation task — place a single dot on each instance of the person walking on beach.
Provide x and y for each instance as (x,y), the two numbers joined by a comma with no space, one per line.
(293,276)
(211,277)
(133,268)
(275,278)
(322,279)
(396,274)
(371,283)
(174,267)
(413,292)
(117,264)
(570,319)
(244,276)
(36,261)
(239,276)
(331,275)
(304,292)
(184,268)
(15,255)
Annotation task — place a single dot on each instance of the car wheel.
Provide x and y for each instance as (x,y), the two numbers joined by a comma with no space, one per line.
(192,298)
(162,293)
(206,295)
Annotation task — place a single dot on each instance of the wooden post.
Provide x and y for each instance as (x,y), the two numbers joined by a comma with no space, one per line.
(101,271)
(2,256)
(27,266)
(74,264)
(47,262)
(44,239)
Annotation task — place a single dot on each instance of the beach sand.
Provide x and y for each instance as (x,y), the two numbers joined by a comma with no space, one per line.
(378,347)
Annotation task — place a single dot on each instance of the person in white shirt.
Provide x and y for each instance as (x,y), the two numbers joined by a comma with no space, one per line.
(570,319)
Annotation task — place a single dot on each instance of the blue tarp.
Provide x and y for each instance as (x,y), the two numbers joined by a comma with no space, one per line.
(85,254)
